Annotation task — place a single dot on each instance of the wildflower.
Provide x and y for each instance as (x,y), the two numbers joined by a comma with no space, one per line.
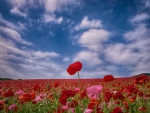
(108,96)
(118,95)
(13,107)
(36,87)
(2,104)
(8,93)
(117,110)
(142,108)
(94,91)
(88,111)
(56,84)
(83,94)
(108,78)
(141,79)
(20,92)
(27,97)
(93,104)
(75,67)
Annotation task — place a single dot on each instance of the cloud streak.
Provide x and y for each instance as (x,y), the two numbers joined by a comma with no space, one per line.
(86,24)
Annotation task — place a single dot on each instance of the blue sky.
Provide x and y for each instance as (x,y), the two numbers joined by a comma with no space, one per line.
(41,38)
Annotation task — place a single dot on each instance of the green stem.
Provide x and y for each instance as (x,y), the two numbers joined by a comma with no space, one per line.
(79,81)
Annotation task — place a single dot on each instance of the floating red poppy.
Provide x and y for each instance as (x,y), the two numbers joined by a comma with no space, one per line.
(75,67)
(108,78)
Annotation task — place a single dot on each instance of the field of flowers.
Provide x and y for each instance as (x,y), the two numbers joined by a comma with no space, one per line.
(106,95)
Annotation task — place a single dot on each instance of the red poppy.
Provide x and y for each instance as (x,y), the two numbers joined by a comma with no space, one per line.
(118,95)
(75,67)
(93,103)
(2,104)
(108,78)
(63,99)
(56,84)
(108,96)
(141,79)
(36,87)
(27,97)
(83,94)
(69,93)
(142,108)
(130,88)
(8,93)
(117,110)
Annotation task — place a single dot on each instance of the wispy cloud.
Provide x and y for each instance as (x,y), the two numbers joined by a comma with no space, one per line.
(52,5)
(51,18)
(140,18)
(66,59)
(147,3)
(26,63)
(87,24)
(14,35)
(19,26)
(17,12)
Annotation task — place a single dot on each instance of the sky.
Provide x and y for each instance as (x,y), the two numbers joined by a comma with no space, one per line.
(39,39)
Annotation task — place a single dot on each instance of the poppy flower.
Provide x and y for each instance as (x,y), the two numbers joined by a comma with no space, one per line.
(19,92)
(118,95)
(88,111)
(93,103)
(36,87)
(141,79)
(83,94)
(94,91)
(2,104)
(8,93)
(75,67)
(108,96)
(117,110)
(142,108)
(56,84)
(130,88)
(108,78)
(27,97)
(13,107)
(63,99)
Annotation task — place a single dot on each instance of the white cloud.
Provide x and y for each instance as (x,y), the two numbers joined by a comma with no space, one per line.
(52,5)
(147,3)
(89,57)
(120,54)
(134,55)
(20,3)
(39,54)
(48,18)
(66,59)
(18,27)
(140,17)
(139,33)
(86,24)
(14,35)
(17,12)
(51,18)
(19,6)
(93,38)
(25,63)
(59,20)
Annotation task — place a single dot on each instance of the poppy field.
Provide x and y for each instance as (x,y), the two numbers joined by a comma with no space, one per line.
(105,95)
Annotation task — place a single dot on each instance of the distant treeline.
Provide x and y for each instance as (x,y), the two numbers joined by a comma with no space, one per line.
(147,74)
(6,79)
